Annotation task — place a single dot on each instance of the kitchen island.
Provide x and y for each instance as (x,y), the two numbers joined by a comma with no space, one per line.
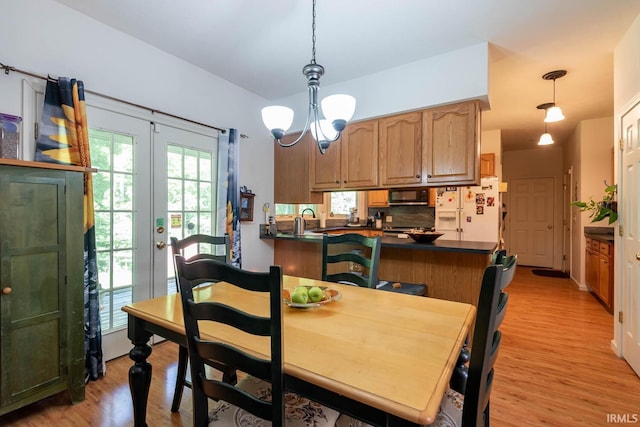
(451,269)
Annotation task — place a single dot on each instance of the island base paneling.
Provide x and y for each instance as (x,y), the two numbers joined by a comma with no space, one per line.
(450,275)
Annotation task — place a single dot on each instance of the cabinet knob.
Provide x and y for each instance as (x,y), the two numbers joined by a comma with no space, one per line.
(337,181)
(345,181)
(417,176)
(428,176)
(638,256)
(7,290)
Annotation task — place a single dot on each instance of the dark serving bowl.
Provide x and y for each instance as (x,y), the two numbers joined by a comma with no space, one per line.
(424,236)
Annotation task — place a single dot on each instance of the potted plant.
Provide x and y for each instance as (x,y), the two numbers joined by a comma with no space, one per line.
(605,208)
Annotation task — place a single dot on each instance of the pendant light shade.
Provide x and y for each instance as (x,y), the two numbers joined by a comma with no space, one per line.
(278,119)
(338,108)
(554,114)
(545,139)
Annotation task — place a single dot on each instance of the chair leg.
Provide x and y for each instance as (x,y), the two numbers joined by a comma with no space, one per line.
(183,359)
(486,414)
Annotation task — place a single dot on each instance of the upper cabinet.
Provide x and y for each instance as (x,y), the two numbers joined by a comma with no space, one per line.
(378,198)
(349,163)
(291,171)
(451,135)
(401,149)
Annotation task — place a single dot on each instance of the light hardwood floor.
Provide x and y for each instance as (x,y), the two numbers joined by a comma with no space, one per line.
(555,368)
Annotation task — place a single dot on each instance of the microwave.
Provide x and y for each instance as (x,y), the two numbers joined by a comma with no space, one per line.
(409,196)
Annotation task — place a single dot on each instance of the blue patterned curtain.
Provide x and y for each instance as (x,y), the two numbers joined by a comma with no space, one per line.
(229,192)
(64,138)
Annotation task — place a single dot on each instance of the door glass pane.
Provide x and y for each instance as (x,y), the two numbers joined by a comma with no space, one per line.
(112,154)
(190,193)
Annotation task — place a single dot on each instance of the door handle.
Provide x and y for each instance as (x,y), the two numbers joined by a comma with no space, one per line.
(161,245)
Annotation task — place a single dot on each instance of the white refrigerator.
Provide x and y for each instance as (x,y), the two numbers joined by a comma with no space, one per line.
(469,213)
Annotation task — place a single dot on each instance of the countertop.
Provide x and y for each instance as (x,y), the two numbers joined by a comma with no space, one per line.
(601,234)
(408,243)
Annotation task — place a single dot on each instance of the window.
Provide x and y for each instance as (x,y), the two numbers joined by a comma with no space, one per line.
(336,204)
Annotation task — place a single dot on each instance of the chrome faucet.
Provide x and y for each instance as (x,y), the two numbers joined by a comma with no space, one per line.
(308,209)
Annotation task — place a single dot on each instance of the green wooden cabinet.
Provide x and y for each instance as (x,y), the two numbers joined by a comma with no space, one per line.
(41,280)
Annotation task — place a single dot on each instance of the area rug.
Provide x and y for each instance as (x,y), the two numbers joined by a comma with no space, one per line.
(550,273)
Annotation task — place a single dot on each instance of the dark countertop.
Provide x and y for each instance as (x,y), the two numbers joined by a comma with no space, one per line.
(601,234)
(408,243)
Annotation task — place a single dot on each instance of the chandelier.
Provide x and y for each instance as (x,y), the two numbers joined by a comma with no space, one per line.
(337,109)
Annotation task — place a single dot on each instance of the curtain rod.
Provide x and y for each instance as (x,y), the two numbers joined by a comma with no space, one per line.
(7,69)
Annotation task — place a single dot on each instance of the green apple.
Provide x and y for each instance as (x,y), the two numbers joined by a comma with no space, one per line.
(299,298)
(316,294)
(301,290)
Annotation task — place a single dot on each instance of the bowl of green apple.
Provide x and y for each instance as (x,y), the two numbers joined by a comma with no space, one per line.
(309,296)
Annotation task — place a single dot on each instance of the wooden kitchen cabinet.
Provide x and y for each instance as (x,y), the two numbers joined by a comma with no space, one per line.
(401,149)
(291,182)
(41,274)
(487,164)
(451,136)
(349,163)
(599,270)
(378,198)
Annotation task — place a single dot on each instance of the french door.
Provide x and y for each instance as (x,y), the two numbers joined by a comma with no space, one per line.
(153,181)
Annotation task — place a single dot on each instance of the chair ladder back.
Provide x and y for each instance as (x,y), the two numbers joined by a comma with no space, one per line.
(210,352)
(371,245)
(202,243)
(475,392)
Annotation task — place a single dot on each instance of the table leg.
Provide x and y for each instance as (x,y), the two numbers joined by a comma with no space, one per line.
(140,381)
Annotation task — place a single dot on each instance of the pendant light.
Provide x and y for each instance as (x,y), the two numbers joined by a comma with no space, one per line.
(545,138)
(337,109)
(554,113)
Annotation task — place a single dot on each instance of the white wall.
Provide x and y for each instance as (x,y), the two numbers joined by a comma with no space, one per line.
(454,76)
(590,155)
(45,37)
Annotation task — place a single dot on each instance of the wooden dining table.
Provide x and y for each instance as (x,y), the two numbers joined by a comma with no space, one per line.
(383,357)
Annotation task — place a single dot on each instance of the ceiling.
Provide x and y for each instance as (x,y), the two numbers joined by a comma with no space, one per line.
(262,45)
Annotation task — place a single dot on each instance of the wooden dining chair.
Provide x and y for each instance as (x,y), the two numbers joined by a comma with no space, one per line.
(365,252)
(260,396)
(468,406)
(473,392)
(198,246)
(349,249)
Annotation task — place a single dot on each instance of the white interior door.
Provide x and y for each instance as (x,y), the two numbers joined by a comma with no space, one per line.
(185,189)
(530,220)
(630,225)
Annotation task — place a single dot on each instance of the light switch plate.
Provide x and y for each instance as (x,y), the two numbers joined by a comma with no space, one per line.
(388,218)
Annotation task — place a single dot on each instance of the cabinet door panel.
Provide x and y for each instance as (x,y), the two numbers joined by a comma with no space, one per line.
(292,177)
(401,149)
(359,148)
(452,152)
(325,168)
(32,312)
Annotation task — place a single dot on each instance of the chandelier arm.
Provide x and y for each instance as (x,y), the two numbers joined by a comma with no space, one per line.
(308,122)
